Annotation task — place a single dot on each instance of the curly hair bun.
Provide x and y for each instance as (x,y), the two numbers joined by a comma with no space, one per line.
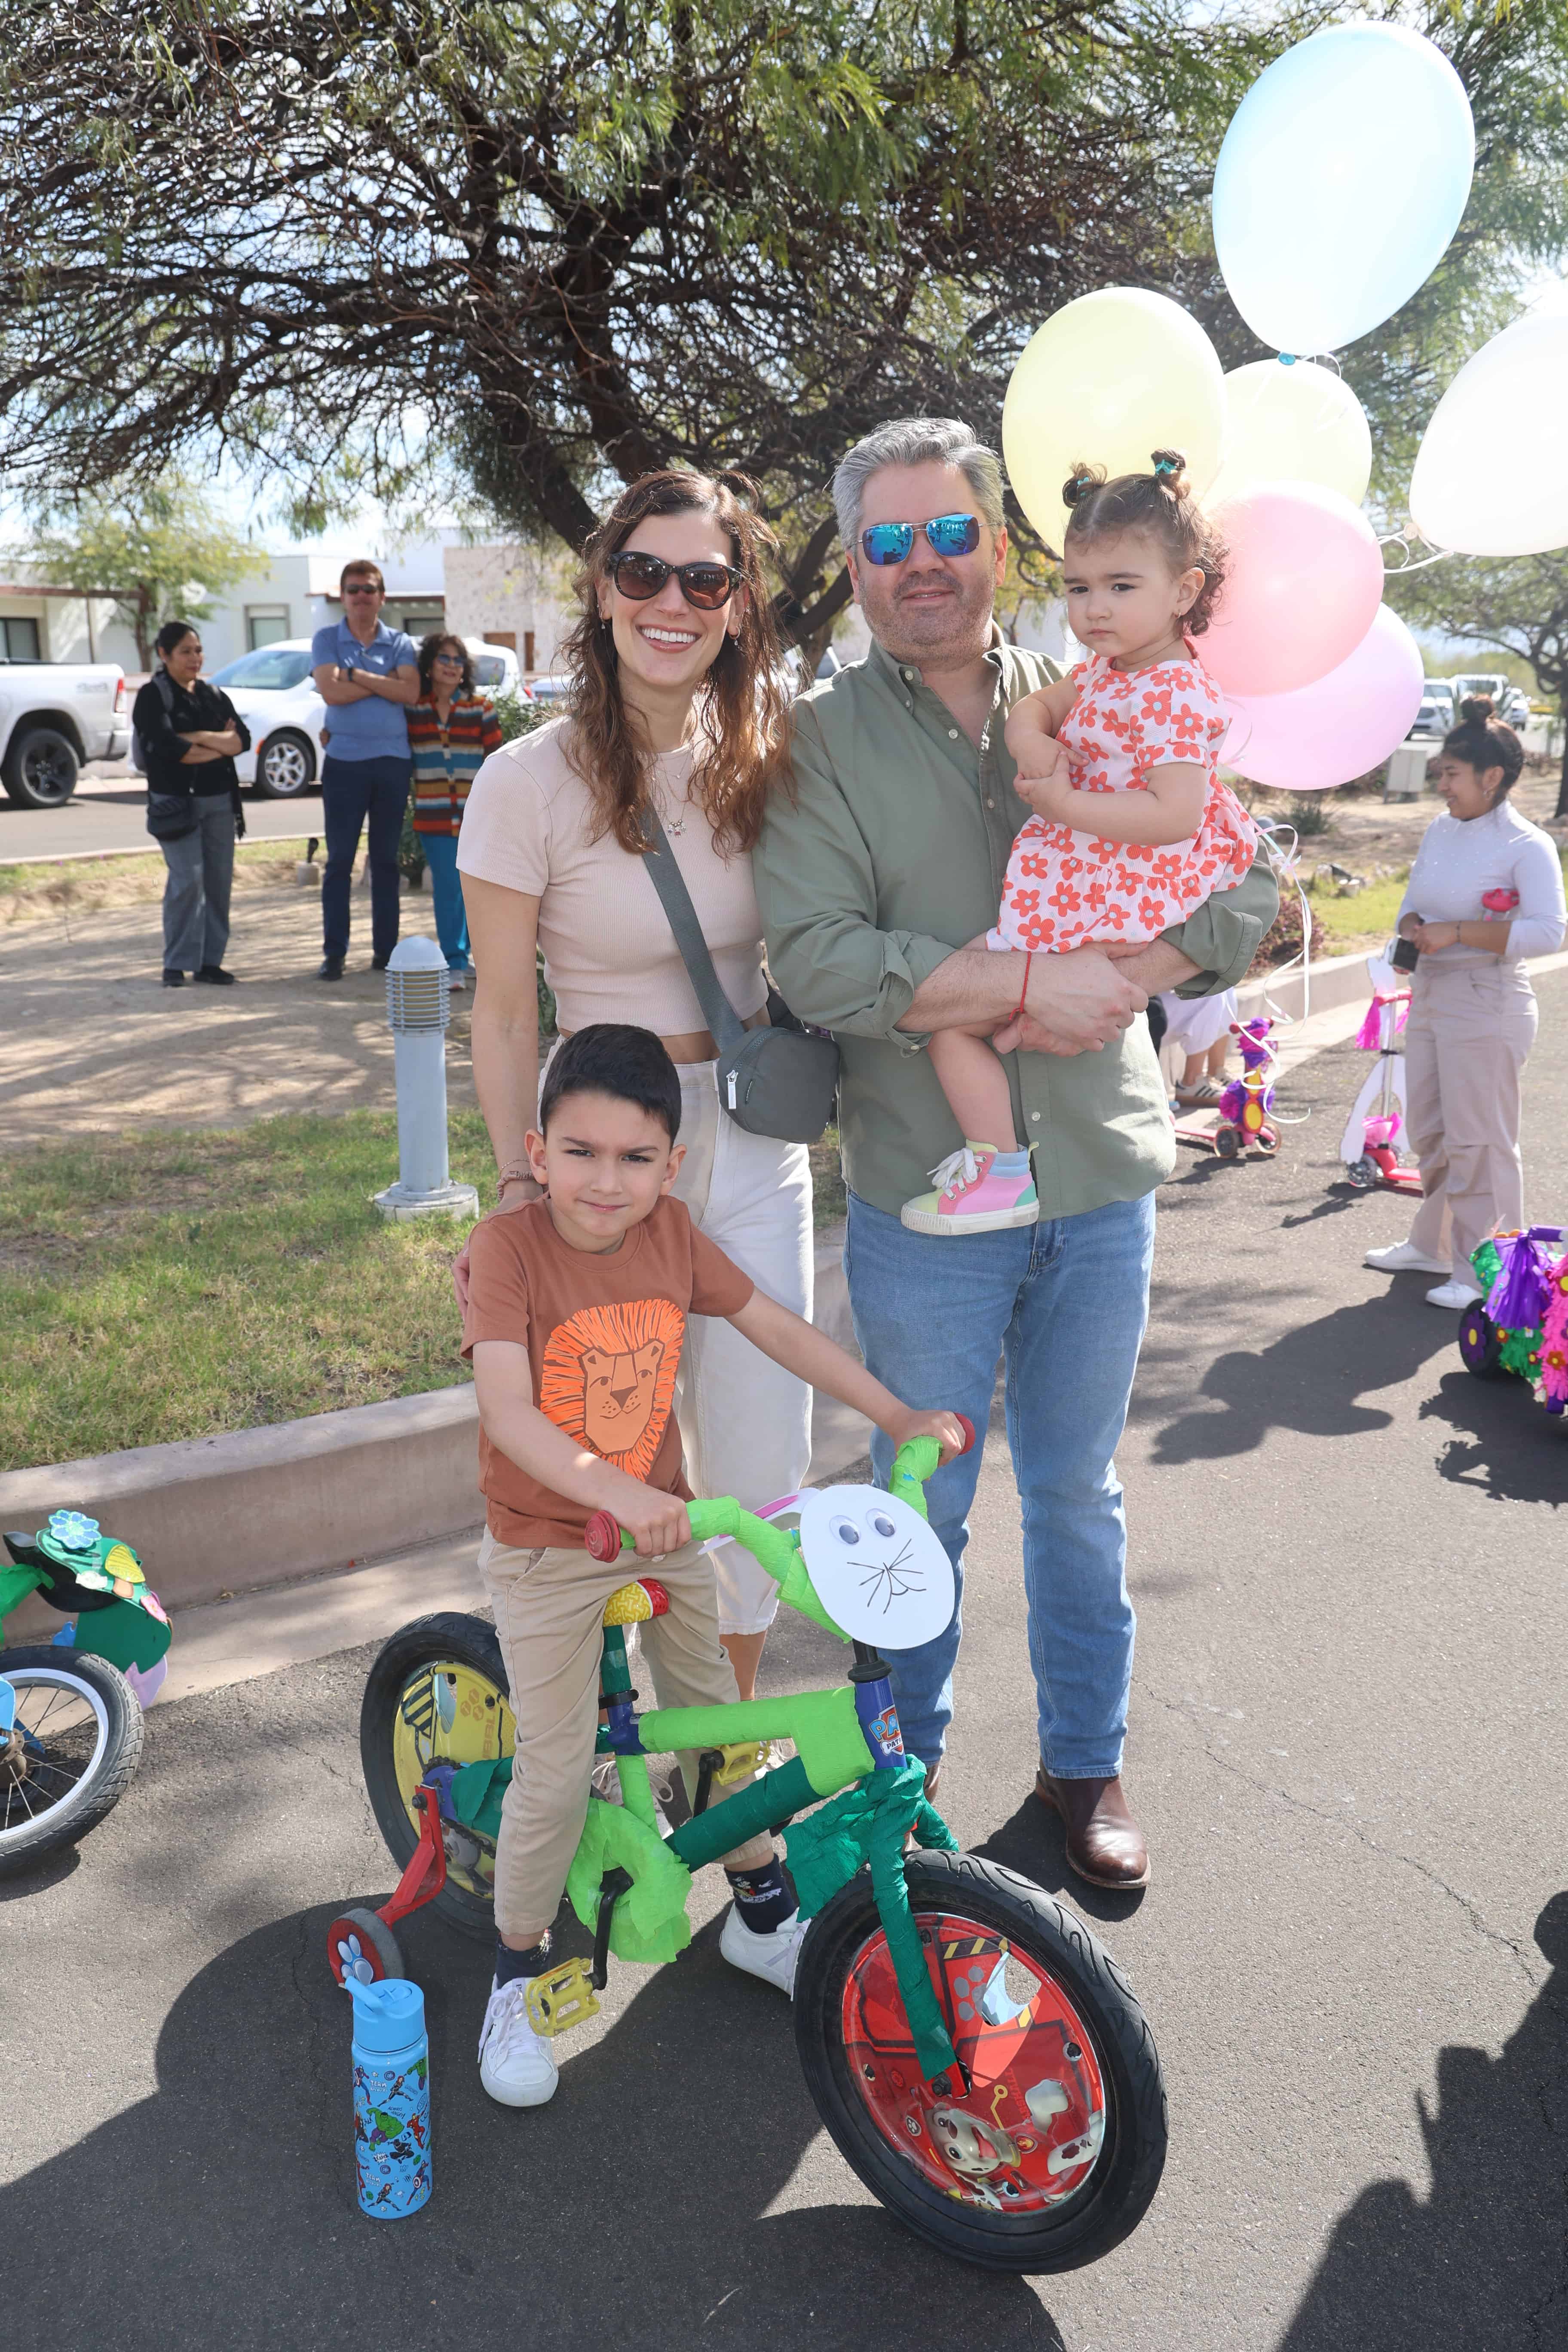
(1171,472)
(1081,483)
(1478,707)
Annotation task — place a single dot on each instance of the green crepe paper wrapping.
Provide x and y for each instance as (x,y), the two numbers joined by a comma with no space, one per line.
(823,1725)
(16,1583)
(123,1635)
(775,1549)
(649,1921)
(866,1824)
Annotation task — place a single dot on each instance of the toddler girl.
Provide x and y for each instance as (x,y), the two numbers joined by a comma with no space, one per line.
(1131,828)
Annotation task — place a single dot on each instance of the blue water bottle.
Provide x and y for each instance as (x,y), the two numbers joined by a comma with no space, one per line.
(391,2098)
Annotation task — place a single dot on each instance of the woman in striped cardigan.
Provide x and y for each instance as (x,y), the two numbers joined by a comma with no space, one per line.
(451,729)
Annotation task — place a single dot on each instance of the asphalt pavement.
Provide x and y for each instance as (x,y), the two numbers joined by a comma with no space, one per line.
(107,812)
(1349,1744)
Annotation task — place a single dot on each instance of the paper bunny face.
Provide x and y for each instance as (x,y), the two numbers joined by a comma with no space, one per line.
(879,1572)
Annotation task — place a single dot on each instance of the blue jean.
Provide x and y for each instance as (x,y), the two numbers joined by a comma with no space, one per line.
(196,894)
(351,791)
(446,890)
(1064,1303)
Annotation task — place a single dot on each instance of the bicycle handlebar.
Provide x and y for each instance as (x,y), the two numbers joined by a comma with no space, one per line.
(914,1463)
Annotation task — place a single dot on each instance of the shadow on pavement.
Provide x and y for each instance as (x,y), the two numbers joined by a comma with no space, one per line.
(1033,1841)
(1495,1453)
(630,2211)
(1482,2264)
(1308,1380)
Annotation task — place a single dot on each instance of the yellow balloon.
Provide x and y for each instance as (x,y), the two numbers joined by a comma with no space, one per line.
(1292,424)
(1109,379)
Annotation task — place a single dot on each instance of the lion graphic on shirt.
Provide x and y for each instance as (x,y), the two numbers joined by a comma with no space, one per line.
(608,1379)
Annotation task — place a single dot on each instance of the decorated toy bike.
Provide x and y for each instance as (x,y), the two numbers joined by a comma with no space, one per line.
(972,2051)
(1246,1101)
(1520,1323)
(70,1710)
(1372,1132)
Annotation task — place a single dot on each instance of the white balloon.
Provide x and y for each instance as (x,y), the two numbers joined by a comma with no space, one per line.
(1343,174)
(879,1572)
(1491,473)
(1292,422)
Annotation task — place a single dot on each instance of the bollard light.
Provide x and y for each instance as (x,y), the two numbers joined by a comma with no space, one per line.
(418,1009)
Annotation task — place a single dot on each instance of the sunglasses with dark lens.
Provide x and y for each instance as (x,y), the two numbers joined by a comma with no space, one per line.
(705,585)
(889,543)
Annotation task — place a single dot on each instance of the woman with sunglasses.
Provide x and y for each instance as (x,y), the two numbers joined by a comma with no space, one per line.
(452,729)
(678,704)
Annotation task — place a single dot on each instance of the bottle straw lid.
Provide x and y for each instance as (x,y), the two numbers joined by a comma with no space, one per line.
(388,2015)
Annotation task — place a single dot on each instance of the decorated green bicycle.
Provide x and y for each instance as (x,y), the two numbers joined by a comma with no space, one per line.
(974,2052)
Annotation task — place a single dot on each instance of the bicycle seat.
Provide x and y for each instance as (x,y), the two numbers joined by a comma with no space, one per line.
(635,1603)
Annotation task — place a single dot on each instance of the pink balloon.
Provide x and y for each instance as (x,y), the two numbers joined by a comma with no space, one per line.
(1304,581)
(1337,728)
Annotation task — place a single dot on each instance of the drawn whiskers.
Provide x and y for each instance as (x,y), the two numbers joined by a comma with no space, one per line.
(912,1580)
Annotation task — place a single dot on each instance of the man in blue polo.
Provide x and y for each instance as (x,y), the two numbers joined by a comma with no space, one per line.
(367,674)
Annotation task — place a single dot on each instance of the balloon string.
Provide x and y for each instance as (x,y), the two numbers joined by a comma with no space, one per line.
(1397,539)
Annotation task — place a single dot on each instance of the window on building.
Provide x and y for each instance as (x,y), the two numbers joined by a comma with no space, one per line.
(265,625)
(416,621)
(19,640)
(528,661)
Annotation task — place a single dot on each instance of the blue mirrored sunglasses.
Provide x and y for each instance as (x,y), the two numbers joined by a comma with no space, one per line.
(889,543)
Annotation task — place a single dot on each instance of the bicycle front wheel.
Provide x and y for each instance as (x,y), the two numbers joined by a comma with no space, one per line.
(71,1755)
(1052,2154)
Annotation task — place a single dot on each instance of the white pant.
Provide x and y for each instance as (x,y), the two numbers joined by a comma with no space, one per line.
(1469,1035)
(1196,1023)
(745,1423)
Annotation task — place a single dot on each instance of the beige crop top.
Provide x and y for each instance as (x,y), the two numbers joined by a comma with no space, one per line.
(609,954)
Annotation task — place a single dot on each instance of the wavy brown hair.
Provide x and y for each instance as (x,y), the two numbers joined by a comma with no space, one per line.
(742,704)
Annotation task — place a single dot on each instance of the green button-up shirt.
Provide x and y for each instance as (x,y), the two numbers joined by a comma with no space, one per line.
(892,856)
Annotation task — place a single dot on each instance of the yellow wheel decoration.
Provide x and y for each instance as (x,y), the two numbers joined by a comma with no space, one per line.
(450,1714)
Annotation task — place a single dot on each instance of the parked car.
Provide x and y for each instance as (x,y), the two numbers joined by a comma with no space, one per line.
(1432,721)
(273,692)
(1441,691)
(54,716)
(550,690)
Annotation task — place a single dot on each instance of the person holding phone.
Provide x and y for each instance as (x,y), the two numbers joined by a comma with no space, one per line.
(1485,892)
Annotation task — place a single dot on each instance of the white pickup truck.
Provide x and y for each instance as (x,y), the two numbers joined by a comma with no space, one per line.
(53,716)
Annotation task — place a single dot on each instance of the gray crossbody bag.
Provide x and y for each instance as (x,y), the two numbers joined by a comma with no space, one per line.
(781,1080)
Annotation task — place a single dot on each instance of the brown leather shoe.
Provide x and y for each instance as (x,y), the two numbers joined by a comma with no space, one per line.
(1104,1843)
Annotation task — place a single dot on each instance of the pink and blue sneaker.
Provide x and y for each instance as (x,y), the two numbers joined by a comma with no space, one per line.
(979,1190)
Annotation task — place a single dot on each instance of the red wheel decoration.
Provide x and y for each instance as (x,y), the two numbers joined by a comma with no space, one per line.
(1025,2136)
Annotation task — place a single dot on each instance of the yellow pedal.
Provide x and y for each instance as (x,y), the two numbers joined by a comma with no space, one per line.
(742,1760)
(561,1999)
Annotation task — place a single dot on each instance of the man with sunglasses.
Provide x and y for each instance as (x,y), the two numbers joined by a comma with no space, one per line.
(368,676)
(892,857)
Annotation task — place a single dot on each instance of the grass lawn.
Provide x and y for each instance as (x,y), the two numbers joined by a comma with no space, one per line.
(168,1285)
(83,885)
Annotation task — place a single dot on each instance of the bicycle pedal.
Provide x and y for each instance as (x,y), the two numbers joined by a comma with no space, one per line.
(742,1760)
(561,1998)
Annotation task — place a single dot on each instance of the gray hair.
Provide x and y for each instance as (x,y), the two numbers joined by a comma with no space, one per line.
(916,441)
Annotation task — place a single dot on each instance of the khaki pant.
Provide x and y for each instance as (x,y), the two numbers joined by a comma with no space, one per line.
(1471,1028)
(549,1605)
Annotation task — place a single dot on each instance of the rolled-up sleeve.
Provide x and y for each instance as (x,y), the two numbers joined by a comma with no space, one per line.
(816,889)
(1224,935)
(1539,922)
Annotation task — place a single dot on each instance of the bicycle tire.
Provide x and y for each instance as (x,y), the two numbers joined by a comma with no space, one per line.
(449,1638)
(106,1771)
(1124,2155)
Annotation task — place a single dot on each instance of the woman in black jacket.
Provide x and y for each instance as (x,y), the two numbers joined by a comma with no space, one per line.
(189,733)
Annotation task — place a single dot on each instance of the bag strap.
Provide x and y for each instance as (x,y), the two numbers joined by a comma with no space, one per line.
(724,1022)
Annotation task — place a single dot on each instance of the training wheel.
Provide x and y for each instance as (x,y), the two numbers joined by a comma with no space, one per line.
(362,1944)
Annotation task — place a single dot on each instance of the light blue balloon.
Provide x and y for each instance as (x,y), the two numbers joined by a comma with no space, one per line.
(1342,177)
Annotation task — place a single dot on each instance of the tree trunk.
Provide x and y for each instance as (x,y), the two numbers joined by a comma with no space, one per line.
(1562,808)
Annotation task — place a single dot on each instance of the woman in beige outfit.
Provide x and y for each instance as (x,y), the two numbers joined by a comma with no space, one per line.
(1485,892)
(678,700)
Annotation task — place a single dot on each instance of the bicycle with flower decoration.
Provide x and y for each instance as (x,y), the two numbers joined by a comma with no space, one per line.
(1519,1323)
(71,1710)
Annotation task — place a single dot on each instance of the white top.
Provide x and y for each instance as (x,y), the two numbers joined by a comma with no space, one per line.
(1461,859)
(609,953)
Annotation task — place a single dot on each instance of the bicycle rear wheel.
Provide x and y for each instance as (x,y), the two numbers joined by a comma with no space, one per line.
(1053,2153)
(437,1694)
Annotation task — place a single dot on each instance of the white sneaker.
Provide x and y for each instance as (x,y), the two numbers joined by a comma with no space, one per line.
(771,1956)
(1404,1257)
(515,2063)
(456,982)
(1456,1295)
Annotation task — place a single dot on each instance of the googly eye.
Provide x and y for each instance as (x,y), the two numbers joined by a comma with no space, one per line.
(847,1532)
(883,1524)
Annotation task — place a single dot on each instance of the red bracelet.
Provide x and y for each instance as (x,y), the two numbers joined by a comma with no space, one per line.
(1023,991)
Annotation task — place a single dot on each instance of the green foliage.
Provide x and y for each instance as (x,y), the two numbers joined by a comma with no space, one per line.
(1520,606)
(157,548)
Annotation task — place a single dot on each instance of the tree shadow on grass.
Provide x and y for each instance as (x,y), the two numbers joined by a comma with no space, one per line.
(632,2210)
(1481,2265)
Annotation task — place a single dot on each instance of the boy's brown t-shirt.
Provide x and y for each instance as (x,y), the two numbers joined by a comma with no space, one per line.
(603,1335)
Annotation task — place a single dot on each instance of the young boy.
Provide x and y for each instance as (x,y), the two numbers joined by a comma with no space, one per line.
(577,1310)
